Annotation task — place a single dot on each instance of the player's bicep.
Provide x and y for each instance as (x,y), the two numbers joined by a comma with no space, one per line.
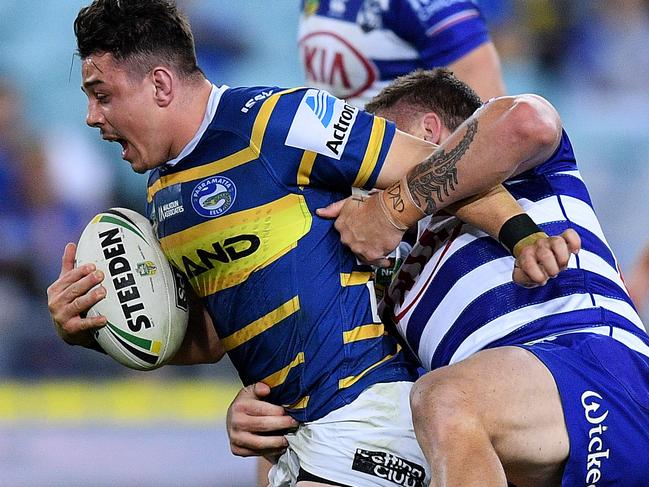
(201,343)
(405,152)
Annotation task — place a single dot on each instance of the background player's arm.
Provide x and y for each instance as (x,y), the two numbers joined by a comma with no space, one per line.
(480,69)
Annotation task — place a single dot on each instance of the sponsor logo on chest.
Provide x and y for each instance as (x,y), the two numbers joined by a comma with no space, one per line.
(170,209)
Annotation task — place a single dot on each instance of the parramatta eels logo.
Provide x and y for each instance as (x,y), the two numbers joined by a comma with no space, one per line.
(213,196)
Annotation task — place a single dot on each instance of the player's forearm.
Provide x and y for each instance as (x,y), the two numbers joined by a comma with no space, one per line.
(504,137)
(498,214)
(487,211)
(201,344)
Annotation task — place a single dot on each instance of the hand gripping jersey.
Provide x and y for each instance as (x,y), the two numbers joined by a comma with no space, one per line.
(235,212)
(454,294)
(354,48)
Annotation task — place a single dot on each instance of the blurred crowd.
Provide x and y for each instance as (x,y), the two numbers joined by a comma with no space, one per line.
(36,221)
(588,52)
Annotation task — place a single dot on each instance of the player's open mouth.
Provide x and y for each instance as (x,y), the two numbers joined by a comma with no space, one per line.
(124,144)
(120,141)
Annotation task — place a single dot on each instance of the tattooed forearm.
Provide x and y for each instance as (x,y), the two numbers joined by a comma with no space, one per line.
(433,179)
(396,199)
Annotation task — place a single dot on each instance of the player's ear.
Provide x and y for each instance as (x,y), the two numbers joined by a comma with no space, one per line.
(163,82)
(432,126)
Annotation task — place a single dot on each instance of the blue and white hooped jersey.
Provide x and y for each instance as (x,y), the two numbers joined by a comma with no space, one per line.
(454,294)
(235,212)
(354,48)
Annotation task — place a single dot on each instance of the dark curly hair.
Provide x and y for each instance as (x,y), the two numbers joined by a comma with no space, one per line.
(436,90)
(142,33)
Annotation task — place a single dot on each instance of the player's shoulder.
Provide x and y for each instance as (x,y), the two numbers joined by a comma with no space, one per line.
(242,100)
(240,106)
(562,159)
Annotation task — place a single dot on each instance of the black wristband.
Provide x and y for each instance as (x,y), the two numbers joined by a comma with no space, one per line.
(516,229)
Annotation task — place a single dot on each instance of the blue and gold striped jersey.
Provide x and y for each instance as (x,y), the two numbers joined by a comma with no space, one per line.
(236,213)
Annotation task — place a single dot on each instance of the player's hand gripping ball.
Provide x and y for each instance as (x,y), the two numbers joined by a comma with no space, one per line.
(146,302)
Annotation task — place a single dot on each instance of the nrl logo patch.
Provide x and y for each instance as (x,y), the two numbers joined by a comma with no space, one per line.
(146,268)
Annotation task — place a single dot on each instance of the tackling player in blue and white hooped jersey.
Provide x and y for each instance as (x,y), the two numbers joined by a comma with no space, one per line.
(454,294)
(354,48)
(455,304)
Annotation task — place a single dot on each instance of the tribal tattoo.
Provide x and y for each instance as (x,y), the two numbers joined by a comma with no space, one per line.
(438,173)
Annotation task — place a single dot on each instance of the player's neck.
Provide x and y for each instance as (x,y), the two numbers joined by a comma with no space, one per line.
(189,115)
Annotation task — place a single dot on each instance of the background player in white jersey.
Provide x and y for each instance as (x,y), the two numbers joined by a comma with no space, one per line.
(146,92)
(541,387)
(354,48)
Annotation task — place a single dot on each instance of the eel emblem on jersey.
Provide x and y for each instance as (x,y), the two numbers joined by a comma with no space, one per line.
(213,196)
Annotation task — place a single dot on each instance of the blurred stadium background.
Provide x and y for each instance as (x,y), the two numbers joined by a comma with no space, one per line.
(71,417)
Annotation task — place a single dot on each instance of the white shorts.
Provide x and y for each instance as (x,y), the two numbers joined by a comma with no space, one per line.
(368,443)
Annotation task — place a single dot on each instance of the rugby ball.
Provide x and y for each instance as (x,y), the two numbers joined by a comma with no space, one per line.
(146,302)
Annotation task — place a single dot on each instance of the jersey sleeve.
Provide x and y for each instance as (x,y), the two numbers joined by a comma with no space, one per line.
(562,160)
(322,141)
(442,31)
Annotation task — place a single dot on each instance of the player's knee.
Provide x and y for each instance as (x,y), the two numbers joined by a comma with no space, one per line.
(442,409)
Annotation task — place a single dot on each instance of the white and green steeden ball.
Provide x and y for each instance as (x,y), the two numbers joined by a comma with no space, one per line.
(146,301)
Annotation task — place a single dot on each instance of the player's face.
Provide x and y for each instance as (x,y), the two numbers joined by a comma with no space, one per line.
(124,109)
